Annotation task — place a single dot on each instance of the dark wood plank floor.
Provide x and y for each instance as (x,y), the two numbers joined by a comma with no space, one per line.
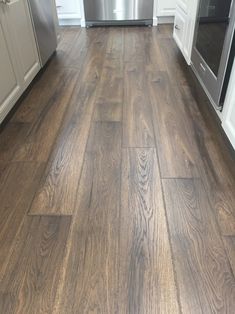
(117,185)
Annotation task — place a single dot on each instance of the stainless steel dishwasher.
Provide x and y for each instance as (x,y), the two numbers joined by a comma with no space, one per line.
(118,12)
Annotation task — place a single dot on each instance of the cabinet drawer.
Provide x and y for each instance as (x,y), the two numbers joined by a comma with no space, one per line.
(180,28)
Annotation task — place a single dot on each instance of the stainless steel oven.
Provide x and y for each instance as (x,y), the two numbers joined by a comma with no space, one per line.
(118,12)
(213,48)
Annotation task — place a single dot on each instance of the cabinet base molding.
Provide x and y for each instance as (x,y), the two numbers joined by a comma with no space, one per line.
(8,105)
(69,22)
(164,20)
(69,19)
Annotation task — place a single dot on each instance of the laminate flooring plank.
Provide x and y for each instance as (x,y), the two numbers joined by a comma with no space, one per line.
(229,243)
(11,137)
(40,139)
(91,271)
(58,187)
(46,82)
(18,183)
(137,111)
(204,276)
(153,52)
(104,136)
(134,48)
(215,162)
(164,31)
(146,274)
(7,302)
(70,38)
(176,149)
(32,276)
(176,65)
(109,101)
(38,95)
(72,51)
(115,44)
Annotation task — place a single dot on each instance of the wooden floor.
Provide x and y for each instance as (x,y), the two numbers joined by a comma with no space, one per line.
(117,187)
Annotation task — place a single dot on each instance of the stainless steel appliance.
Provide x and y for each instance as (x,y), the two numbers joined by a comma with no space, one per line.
(213,49)
(43,20)
(118,12)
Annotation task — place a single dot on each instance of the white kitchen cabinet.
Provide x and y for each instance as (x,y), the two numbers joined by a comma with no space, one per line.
(184,26)
(9,78)
(183,4)
(166,7)
(56,20)
(69,12)
(19,57)
(180,28)
(228,114)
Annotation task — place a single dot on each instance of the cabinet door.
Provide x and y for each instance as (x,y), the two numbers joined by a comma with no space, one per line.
(183,4)
(166,7)
(9,79)
(21,33)
(180,28)
(228,114)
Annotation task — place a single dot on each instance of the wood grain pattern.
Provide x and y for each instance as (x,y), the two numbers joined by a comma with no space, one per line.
(74,46)
(109,100)
(18,183)
(120,250)
(91,278)
(137,111)
(32,276)
(153,53)
(115,44)
(214,161)
(146,273)
(176,67)
(134,48)
(176,149)
(11,137)
(58,188)
(205,280)
(229,243)
(38,97)
(41,136)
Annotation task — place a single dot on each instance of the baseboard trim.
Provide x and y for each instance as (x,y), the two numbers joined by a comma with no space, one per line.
(155,21)
(69,22)
(165,20)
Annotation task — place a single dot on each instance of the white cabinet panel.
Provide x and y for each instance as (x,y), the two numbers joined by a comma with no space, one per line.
(185,19)
(19,61)
(179,28)
(68,6)
(69,12)
(9,81)
(166,7)
(183,4)
(228,114)
(20,28)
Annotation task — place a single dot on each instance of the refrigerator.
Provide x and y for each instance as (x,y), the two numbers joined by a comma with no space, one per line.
(118,12)
(42,12)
